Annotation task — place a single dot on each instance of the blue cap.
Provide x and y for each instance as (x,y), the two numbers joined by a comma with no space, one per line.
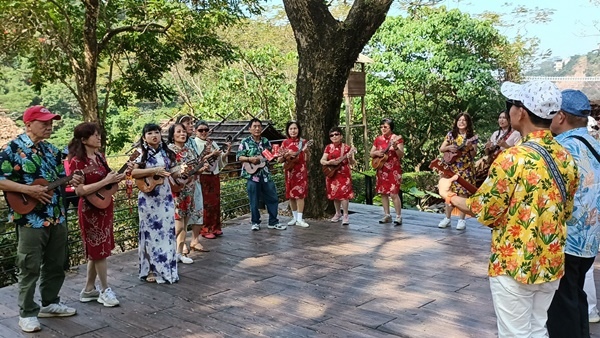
(575,103)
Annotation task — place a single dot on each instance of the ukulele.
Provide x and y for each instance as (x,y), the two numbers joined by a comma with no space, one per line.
(102,197)
(148,183)
(291,158)
(329,170)
(441,167)
(24,204)
(450,157)
(251,168)
(378,162)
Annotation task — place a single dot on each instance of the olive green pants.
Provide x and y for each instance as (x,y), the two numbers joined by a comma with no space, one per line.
(40,255)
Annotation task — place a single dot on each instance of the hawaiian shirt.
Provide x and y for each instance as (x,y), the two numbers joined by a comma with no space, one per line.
(249,148)
(522,204)
(583,228)
(22,161)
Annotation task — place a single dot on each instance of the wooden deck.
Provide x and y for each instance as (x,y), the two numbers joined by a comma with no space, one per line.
(361,280)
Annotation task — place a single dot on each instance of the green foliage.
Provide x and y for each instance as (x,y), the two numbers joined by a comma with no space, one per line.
(429,67)
(66,41)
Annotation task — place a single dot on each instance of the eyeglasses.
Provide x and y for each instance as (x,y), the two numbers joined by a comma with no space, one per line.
(384,127)
(334,134)
(517,103)
(202,130)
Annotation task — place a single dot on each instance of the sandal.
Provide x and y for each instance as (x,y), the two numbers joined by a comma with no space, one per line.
(198,247)
(151,278)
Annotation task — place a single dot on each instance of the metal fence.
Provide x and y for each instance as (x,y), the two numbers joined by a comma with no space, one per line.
(234,203)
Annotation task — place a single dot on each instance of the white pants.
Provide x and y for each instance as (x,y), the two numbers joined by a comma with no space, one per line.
(521,309)
(590,290)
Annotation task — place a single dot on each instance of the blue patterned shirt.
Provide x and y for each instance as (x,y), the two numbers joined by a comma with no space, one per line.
(22,161)
(249,148)
(583,228)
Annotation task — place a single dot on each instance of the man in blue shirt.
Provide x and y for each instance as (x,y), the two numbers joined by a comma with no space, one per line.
(568,313)
(256,171)
(42,232)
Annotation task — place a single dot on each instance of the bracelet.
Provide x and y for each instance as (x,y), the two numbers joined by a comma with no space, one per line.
(449,198)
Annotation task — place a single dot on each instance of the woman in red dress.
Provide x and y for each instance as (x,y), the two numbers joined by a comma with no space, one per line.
(339,186)
(183,199)
(296,178)
(389,176)
(96,224)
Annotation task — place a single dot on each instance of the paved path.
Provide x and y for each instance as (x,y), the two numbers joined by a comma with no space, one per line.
(361,280)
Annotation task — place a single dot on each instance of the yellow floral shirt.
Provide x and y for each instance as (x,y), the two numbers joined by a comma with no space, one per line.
(522,204)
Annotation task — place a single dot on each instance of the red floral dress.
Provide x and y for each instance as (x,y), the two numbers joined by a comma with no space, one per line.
(184,198)
(296,179)
(389,177)
(339,187)
(96,225)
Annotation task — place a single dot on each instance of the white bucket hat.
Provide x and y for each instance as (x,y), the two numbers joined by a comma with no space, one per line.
(542,98)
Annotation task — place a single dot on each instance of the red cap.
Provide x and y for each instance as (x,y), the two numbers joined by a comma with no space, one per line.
(39,113)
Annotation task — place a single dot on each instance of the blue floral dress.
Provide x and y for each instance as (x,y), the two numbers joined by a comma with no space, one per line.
(156,210)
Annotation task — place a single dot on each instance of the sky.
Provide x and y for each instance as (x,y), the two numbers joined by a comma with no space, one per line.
(571,29)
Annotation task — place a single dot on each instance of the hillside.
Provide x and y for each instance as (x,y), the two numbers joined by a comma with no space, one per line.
(579,65)
(8,129)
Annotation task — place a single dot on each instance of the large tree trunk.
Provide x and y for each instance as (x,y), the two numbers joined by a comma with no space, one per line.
(87,76)
(327,51)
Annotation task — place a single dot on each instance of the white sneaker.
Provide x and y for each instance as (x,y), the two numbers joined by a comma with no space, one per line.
(88,296)
(444,223)
(30,324)
(594,317)
(292,222)
(398,221)
(56,310)
(386,219)
(255,227)
(184,259)
(461,225)
(108,298)
(302,224)
(277,226)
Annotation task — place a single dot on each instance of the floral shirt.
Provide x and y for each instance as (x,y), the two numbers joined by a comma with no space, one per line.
(22,161)
(249,148)
(583,229)
(522,204)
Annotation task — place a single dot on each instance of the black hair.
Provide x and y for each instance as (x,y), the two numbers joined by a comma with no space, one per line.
(469,125)
(82,131)
(171,135)
(538,121)
(389,122)
(200,123)
(148,127)
(507,116)
(334,129)
(289,124)
(253,121)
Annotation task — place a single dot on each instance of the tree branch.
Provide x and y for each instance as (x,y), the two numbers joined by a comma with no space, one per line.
(147,27)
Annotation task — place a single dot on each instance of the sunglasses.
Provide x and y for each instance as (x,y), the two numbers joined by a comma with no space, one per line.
(202,130)
(516,103)
(334,134)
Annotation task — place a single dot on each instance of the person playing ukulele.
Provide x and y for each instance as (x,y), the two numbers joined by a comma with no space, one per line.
(388,148)
(42,232)
(461,143)
(339,185)
(293,151)
(96,224)
(260,182)
(156,208)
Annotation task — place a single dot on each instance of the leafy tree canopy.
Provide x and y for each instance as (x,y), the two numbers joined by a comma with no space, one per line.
(430,66)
